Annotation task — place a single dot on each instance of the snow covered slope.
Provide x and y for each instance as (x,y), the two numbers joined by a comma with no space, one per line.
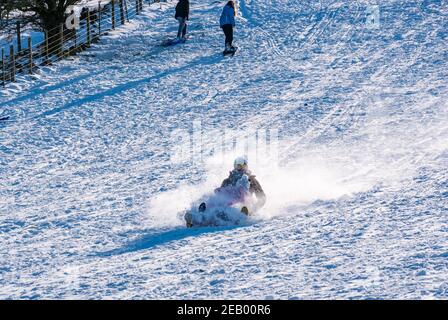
(356,209)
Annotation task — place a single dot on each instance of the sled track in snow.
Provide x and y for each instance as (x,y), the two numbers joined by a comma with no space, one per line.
(272,44)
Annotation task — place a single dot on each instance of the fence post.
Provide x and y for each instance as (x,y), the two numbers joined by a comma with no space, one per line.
(47,54)
(89,38)
(61,40)
(19,37)
(113,13)
(76,41)
(137,6)
(141,5)
(3,68)
(13,63)
(126,10)
(122,19)
(30,48)
(99,18)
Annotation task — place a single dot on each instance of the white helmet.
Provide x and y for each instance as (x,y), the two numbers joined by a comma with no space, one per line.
(240,162)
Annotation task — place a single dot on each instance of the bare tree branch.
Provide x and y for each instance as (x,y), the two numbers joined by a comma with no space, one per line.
(46,14)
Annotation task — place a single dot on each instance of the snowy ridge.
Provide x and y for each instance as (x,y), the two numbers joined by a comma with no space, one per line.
(356,209)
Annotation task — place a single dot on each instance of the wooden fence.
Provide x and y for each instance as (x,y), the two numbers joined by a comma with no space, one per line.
(62,42)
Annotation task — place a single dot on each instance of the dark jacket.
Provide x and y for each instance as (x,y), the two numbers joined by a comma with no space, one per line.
(183,9)
(254,188)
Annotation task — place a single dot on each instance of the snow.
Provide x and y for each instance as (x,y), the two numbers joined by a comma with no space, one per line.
(358,198)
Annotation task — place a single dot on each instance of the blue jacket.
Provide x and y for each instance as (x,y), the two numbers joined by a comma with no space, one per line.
(227,16)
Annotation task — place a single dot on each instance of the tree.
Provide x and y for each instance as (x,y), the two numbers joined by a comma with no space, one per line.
(5,9)
(48,14)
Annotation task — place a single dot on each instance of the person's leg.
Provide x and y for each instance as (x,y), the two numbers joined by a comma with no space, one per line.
(226,29)
(181,26)
(231,35)
(184,31)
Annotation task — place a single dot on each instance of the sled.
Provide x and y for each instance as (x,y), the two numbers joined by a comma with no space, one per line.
(229,53)
(173,42)
(227,206)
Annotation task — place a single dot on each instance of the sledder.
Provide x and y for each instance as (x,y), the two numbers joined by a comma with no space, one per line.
(240,191)
(227,23)
(182,16)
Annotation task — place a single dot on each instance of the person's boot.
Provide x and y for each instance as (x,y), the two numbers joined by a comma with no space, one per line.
(189,220)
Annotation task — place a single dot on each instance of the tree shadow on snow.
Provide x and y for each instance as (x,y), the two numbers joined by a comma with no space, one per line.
(44,88)
(154,238)
(121,88)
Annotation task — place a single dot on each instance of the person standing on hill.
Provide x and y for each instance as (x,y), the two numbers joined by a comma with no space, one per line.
(182,15)
(227,23)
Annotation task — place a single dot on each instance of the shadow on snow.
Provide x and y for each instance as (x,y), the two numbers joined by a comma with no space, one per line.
(119,89)
(155,238)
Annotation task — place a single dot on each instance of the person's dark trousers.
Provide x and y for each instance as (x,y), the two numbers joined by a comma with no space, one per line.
(228,31)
